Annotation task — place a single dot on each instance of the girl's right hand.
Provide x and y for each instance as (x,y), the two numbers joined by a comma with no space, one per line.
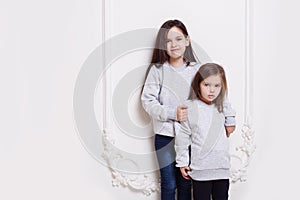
(184,173)
(182,113)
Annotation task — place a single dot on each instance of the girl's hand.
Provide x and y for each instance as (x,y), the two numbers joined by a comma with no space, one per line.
(184,170)
(182,113)
(229,130)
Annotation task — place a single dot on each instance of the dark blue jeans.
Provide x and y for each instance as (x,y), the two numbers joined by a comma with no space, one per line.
(170,175)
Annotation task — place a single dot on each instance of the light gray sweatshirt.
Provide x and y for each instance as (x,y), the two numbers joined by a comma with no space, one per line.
(166,88)
(204,131)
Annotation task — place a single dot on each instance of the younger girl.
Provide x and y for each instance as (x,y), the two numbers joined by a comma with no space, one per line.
(204,131)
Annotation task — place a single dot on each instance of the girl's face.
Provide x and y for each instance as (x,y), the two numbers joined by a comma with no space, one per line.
(176,43)
(210,88)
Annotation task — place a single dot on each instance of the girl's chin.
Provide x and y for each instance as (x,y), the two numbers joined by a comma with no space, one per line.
(206,100)
(176,57)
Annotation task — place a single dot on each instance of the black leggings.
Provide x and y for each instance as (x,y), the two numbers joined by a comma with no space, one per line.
(214,189)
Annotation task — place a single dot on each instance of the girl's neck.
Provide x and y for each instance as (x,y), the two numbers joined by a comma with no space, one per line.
(176,62)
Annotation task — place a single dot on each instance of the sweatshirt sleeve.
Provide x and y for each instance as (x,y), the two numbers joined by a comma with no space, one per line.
(182,143)
(229,113)
(150,97)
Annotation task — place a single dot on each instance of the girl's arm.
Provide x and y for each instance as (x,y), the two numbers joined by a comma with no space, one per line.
(182,143)
(229,114)
(150,97)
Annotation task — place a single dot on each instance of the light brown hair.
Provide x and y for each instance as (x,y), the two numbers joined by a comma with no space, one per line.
(204,72)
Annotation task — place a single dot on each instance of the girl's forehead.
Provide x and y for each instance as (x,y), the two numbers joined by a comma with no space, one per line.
(175,31)
(213,78)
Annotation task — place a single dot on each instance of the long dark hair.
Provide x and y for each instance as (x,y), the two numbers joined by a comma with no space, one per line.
(205,71)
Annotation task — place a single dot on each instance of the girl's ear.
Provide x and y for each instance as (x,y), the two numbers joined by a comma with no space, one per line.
(187,41)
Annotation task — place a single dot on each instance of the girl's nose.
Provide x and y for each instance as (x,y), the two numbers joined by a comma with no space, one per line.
(173,43)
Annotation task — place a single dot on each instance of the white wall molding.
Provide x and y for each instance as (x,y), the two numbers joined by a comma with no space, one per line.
(245,151)
(148,183)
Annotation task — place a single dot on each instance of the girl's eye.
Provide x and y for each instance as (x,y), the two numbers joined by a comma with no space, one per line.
(217,85)
(206,84)
(178,39)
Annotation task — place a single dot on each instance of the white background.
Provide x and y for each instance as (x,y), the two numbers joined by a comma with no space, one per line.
(43,45)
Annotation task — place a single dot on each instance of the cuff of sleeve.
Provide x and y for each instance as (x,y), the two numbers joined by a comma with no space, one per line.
(230,121)
(181,165)
(172,113)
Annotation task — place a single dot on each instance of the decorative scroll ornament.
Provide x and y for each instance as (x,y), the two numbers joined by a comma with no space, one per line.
(244,153)
(146,183)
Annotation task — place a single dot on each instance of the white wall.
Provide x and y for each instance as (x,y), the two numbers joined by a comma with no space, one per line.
(275,165)
(44,45)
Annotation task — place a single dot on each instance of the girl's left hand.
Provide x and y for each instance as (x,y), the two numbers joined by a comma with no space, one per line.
(229,130)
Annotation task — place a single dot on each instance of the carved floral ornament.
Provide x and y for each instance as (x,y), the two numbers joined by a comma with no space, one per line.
(96,133)
(148,183)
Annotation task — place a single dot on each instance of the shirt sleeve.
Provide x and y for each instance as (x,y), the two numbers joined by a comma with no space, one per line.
(182,143)
(229,113)
(150,97)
